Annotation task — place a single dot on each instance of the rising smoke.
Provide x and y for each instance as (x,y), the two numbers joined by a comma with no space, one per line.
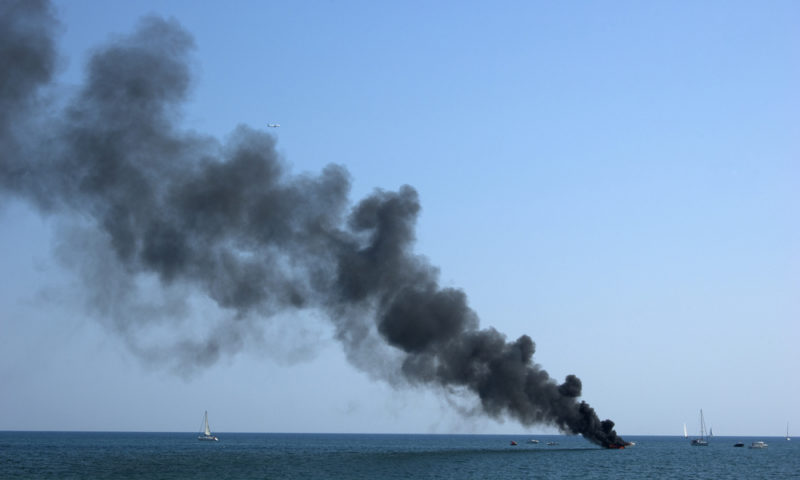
(228,221)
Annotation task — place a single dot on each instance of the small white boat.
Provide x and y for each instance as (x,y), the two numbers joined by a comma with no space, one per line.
(533,440)
(758,445)
(206,435)
(788,438)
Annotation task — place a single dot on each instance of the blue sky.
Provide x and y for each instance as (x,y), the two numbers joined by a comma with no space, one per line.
(619,180)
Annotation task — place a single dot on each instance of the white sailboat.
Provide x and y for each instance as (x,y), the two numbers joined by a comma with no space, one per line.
(207,431)
(701,442)
(685,433)
(788,438)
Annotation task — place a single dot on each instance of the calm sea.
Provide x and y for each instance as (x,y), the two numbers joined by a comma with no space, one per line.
(92,455)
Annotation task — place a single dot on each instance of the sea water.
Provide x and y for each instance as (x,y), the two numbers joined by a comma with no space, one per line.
(96,455)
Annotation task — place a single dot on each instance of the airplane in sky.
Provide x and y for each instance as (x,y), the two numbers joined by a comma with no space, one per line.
(273,125)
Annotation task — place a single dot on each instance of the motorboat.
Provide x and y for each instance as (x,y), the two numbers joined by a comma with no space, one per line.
(738,444)
(758,444)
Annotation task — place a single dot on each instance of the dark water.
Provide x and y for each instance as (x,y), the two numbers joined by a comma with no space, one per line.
(65,455)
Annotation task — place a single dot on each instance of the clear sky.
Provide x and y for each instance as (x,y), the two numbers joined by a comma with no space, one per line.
(618,180)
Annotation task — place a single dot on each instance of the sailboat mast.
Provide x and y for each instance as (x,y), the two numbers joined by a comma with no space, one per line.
(702,425)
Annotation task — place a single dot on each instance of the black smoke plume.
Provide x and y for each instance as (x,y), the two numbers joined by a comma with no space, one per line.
(228,221)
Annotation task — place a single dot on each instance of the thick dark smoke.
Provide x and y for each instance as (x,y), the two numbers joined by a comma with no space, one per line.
(229,222)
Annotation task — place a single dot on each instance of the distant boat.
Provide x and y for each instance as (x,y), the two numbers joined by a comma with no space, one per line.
(710,432)
(788,438)
(533,440)
(685,433)
(513,443)
(552,444)
(758,445)
(701,442)
(206,436)
(738,444)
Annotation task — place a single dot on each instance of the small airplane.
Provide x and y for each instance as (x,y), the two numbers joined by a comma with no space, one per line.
(273,125)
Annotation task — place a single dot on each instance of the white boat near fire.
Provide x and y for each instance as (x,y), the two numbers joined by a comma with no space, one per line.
(206,435)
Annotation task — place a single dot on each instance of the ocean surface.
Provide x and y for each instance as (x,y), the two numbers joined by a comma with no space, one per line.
(96,455)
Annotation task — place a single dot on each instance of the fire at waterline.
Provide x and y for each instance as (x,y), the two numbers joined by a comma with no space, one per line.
(228,221)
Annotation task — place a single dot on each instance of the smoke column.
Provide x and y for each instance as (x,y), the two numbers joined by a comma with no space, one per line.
(228,221)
